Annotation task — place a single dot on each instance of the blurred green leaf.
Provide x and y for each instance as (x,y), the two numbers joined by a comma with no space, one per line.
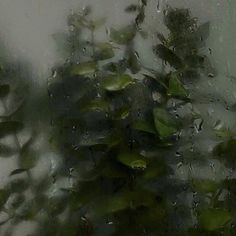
(154,170)
(214,218)
(116,67)
(17,171)
(10,127)
(131,8)
(140,17)
(133,62)
(164,123)
(168,55)
(104,51)
(226,150)
(4,194)
(117,82)
(4,90)
(123,35)
(96,105)
(230,185)
(28,156)
(97,23)
(124,200)
(17,185)
(121,113)
(133,160)
(144,126)
(84,68)
(205,185)
(176,88)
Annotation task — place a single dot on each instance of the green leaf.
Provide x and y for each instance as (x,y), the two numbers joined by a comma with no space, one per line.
(17,186)
(94,140)
(118,67)
(117,82)
(144,126)
(10,127)
(140,17)
(214,218)
(165,125)
(28,156)
(131,8)
(133,160)
(96,105)
(124,200)
(205,185)
(133,62)
(84,68)
(155,170)
(104,51)
(4,194)
(226,150)
(17,171)
(230,185)
(168,55)
(94,25)
(121,113)
(123,35)
(4,90)
(176,88)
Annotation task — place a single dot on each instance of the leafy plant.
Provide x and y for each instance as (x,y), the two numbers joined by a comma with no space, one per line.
(116,126)
(115,134)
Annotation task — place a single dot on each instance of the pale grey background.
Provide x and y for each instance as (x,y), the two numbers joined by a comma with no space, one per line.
(26,27)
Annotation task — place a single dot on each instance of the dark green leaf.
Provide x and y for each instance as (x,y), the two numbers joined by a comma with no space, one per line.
(140,17)
(4,194)
(17,171)
(169,56)
(133,160)
(144,126)
(226,150)
(123,35)
(176,88)
(164,122)
(10,127)
(131,8)
(4,90)
(205,185)
(121,113)
(28,156)
(133,62)
(214,218)
(162,38)
(124,200)
(119,67)
(155,170)
(117,82)
(17,186)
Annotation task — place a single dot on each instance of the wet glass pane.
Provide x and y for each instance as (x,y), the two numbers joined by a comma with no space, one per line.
(117,118)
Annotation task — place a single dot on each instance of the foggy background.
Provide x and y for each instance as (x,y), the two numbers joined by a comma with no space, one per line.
(27,27)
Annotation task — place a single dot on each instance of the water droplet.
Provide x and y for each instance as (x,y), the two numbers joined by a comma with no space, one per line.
(211,75)
(177,154)
(158,6)
(198,123)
